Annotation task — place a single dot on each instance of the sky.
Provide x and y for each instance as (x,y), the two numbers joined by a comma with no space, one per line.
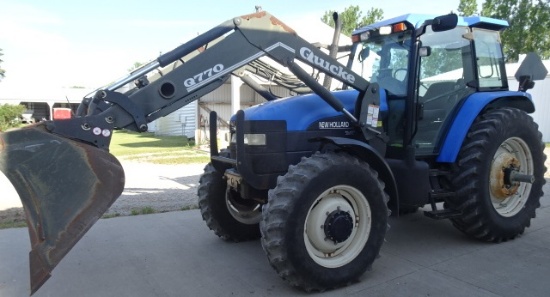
(60,43)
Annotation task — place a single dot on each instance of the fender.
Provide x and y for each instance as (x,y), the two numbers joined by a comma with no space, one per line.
(371,156)
(472,107)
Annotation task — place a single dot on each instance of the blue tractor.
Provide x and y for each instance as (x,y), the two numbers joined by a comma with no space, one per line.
(444,127)
(424,117)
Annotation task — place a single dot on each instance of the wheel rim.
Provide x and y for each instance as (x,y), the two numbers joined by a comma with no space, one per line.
(509,197)
(337,226)
(245,211)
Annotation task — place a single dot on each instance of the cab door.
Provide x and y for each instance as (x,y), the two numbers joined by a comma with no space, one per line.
(441,84)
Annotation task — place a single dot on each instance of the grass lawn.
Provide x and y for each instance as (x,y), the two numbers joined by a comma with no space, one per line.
(146,147)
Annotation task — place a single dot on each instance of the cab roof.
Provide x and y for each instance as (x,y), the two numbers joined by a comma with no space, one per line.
(417,20)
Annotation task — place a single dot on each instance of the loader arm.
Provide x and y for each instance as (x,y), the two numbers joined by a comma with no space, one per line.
(62,170)
(239,42)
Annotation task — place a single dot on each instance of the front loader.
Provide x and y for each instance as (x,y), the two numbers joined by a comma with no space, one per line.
(430,119)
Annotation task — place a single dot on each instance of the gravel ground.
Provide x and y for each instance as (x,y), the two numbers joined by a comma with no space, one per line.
(161,187)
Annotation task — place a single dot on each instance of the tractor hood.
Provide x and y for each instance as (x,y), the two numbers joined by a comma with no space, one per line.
(300,111)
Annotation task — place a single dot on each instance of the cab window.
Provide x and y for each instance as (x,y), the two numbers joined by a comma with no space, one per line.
(490,60)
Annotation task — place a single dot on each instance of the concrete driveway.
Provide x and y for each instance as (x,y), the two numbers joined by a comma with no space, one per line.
(174,254)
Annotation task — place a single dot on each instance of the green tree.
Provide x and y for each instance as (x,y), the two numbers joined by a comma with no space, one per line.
(467,7)
(9,115)
(539,43)
(352,18)
(528,31)
(2,71)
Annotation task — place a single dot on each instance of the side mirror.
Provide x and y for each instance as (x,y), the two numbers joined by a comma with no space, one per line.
(531,69)
(444,22)
(425,51)
(525,83)
(363,54)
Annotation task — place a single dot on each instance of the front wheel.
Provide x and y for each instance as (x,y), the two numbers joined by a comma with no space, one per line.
(325,221)
(498,176)
(224,211)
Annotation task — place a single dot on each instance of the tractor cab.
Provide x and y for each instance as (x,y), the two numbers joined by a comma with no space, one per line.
(428,66)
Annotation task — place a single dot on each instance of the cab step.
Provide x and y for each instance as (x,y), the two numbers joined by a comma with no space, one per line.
(439,195)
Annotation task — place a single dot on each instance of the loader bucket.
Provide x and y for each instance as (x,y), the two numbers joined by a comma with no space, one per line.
(65,186)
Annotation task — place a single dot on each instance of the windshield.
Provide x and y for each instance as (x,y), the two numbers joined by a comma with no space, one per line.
(384,59)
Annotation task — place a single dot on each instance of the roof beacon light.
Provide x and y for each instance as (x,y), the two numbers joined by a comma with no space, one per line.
(400,27)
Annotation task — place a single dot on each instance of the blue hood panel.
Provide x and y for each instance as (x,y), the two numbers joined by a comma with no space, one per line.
(301,111)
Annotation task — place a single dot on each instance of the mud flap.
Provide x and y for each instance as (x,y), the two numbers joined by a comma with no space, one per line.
(65,187)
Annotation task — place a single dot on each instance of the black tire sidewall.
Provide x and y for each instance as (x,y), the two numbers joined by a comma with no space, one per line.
(212,200)
(215,196)
(342,174)
(527,131)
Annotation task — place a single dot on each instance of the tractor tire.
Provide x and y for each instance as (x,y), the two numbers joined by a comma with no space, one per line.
(225,213)
(325,221)
(500,142)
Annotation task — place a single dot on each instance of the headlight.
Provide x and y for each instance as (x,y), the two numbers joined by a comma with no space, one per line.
(254,139)
(250,139)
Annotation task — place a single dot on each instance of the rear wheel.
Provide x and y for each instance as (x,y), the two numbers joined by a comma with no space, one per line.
(325,221)
(501,153)
(224,211)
